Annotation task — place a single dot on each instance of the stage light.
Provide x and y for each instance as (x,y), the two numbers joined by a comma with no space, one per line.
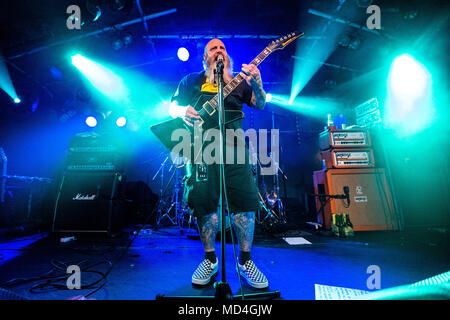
(17,100)
(117,44)
(268,97)
(91,121)
(409,107)
(121,121)
(102,78)
(5,79)
(183,54)
(408,78)
(316,107)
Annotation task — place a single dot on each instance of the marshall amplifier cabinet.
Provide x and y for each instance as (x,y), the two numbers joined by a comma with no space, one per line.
(333,138)
(348,158)
(89,202)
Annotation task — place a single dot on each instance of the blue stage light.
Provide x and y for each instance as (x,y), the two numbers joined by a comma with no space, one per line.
(91,121)
(183,54)
(17,100)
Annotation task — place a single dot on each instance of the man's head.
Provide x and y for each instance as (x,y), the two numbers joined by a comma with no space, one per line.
(213,49)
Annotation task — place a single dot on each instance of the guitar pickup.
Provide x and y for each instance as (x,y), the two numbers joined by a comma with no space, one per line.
(211,110)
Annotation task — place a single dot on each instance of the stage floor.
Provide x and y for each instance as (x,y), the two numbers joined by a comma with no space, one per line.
(161,262)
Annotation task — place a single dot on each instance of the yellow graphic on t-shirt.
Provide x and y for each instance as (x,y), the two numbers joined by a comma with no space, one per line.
(209,87)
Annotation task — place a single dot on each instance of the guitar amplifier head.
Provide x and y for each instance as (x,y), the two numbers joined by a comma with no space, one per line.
(348,158)
(334,138)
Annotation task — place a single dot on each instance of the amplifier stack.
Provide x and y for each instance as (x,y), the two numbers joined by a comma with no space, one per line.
(348,161)
(89,199)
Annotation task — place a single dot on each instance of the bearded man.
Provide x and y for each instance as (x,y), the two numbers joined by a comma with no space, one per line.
(202,181)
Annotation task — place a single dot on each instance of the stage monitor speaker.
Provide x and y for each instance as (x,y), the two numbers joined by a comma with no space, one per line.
(371,206)
(89,202)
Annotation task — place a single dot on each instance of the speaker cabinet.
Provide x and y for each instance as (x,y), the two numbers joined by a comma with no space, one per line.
(371,206)
(89,202)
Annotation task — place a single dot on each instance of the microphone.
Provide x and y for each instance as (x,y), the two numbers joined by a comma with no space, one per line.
(220,61)
(347,194)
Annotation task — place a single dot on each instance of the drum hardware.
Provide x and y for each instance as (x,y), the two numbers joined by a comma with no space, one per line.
(270,202)
(173,210)
(161,213)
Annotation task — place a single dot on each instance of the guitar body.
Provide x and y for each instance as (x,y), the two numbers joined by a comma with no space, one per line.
(163,130)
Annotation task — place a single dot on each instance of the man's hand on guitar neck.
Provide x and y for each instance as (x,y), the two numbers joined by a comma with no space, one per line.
(252,75)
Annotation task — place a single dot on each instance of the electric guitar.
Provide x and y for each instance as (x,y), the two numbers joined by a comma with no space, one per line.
(207,107)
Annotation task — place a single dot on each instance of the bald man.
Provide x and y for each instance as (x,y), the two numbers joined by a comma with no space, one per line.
(202,190)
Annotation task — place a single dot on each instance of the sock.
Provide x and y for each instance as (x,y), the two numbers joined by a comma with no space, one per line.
(244,256)
(211,256)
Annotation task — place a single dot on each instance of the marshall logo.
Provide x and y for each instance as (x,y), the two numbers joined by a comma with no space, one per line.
(79,196)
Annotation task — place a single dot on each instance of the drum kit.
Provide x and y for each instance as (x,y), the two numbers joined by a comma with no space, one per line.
(174,211)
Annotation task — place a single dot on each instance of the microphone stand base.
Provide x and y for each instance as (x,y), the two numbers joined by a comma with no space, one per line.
(223,291)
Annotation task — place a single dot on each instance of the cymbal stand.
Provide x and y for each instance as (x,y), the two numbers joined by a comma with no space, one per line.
(161,203)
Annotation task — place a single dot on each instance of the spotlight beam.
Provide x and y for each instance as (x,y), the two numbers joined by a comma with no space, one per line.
(102,78)
(6,82)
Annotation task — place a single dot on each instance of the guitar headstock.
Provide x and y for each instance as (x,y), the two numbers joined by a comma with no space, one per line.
(284,41)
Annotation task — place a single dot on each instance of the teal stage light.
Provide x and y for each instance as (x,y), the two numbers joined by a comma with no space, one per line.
(121,122)
(102,78)
(409,104)
(408,78)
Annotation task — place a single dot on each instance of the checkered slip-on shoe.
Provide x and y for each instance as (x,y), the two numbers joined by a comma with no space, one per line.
(254,277)
(204,272)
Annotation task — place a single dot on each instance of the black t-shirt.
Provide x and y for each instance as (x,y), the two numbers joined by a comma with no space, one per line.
(190,89)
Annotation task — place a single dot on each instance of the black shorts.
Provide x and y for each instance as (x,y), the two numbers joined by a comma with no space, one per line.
(202,196)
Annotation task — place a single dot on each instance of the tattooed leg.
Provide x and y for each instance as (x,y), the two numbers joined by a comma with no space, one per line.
(208,226)
(244,225)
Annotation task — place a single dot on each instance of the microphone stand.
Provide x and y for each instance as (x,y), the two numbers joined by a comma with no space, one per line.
(223,290)
(324,198)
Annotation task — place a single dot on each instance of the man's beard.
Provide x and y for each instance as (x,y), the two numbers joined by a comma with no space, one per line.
(211,64)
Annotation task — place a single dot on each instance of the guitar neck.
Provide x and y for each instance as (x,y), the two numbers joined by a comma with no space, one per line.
(238,79)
